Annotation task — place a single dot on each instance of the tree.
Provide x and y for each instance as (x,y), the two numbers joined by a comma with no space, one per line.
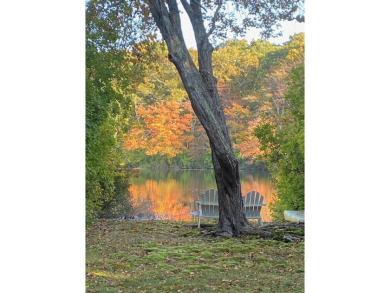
(284,148)
(201,85)
(105,109)
(107,100)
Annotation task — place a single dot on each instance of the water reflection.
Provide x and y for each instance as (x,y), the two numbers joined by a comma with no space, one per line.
(171,195)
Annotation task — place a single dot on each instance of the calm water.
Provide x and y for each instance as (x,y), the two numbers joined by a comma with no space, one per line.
(171,194)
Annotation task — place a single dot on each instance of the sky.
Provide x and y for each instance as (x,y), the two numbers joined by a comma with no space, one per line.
(289,28)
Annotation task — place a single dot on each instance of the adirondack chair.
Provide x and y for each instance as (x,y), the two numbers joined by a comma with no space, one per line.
(208,205)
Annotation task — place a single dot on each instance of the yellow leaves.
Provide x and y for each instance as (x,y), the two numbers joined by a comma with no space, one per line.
(233,59)
(144,88)
(178,94)
(236,110)
(160,79)
(296,53)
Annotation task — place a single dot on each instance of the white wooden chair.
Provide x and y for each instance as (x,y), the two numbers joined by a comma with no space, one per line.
(208,205)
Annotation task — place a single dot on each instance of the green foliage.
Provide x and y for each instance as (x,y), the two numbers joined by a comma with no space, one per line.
(107,112)
(104,127)
(284,148)
(270,143)
(205,161)
(184,160)
(115,25)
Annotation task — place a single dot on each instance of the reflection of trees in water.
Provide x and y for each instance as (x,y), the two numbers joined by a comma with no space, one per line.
(264,187)
(170,195)
(165,200)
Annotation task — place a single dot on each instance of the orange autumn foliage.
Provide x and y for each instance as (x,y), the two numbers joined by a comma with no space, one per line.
(165,129)
(241,129)
(250,146)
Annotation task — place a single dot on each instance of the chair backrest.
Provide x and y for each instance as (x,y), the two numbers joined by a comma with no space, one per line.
(209,201)
(252,203)
(252,199)
(209,197)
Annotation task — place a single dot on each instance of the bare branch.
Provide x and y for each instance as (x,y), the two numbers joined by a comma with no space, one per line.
(155,78)
(214,19)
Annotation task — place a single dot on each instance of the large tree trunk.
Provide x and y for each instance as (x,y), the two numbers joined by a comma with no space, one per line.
(201,87)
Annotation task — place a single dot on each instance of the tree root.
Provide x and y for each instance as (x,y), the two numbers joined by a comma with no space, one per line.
(217,233)
(282,231)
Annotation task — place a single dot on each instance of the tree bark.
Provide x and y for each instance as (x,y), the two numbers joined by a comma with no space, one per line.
(201,87)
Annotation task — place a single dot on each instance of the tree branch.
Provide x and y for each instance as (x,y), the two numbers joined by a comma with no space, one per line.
(169,24)
(174,16)
(186,6)
(194,13)
(214,19)
(198,2)
(205,50)
(161,16)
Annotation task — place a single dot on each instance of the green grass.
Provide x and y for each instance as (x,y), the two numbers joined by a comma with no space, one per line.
(163,256)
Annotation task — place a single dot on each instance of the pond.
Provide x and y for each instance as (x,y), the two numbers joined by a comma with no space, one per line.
(171,194)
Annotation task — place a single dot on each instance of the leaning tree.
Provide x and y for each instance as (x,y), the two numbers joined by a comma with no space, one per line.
(212,20)
(118,23)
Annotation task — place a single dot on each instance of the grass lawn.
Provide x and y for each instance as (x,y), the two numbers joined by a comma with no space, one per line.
(164,256)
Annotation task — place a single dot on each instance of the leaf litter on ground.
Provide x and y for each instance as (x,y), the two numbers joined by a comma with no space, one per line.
(165,256)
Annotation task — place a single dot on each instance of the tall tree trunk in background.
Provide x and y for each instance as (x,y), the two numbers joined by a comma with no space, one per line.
(201,87)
